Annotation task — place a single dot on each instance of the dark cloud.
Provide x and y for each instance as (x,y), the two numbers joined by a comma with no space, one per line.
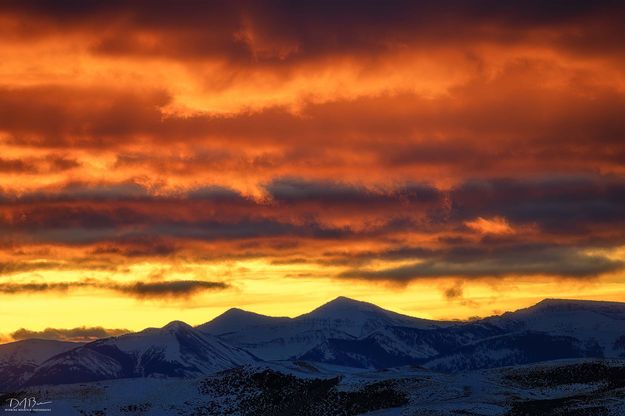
(79,334)
(130,221)
(360,258)
(23,266)
(565,204)
(138,247)
(141,290)
(511,260)
(122,191)
(81,225)
(178,288)
(19,288)
(298,190)
(248,32)
(127,213)
(26,266)
(48,164)
(16,166)
(555,223)
(454,292)
(70,116)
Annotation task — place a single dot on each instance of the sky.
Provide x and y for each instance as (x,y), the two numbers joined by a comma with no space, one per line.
(170,160)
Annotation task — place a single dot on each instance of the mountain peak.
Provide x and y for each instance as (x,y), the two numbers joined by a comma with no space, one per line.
(177,325)
(563,307)
(558,301)
(239,314)
(345,300)
(344,304)
(235,319)
(235,312)
(350,309)
(577,304)
(356,317)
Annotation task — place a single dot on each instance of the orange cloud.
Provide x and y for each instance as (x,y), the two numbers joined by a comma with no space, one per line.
(497,225)
(282,144)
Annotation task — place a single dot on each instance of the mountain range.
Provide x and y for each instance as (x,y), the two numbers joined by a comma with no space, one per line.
(344,333)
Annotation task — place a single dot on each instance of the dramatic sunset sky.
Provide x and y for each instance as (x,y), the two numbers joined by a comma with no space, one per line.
(170,160)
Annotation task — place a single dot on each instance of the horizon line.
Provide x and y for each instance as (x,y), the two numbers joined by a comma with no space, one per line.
(456,320)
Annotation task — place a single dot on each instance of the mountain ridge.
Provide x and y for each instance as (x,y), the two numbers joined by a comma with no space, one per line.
(344,300)
(343,332)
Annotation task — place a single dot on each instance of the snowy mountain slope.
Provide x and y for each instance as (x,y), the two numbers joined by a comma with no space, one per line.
(291,342)
(33,350)
(395,345)
(79,365)
(359,353)
(572,387)
(427,343)
(513,349)
(552,329)
(358,318)
(14,375)
(591,322)
(18,360)
(266,337)
(284,338)
(176,350)
(341,333)
(237,320)
(177,342)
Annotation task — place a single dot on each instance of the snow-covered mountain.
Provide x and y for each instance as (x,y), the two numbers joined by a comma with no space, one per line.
(19,359)
(237,320)
(343,333)
(351,333)
(285,338)
(516,348)
(549,330)
(591,322)
(33,351)
(357,318)
(176,350)
(392,346)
